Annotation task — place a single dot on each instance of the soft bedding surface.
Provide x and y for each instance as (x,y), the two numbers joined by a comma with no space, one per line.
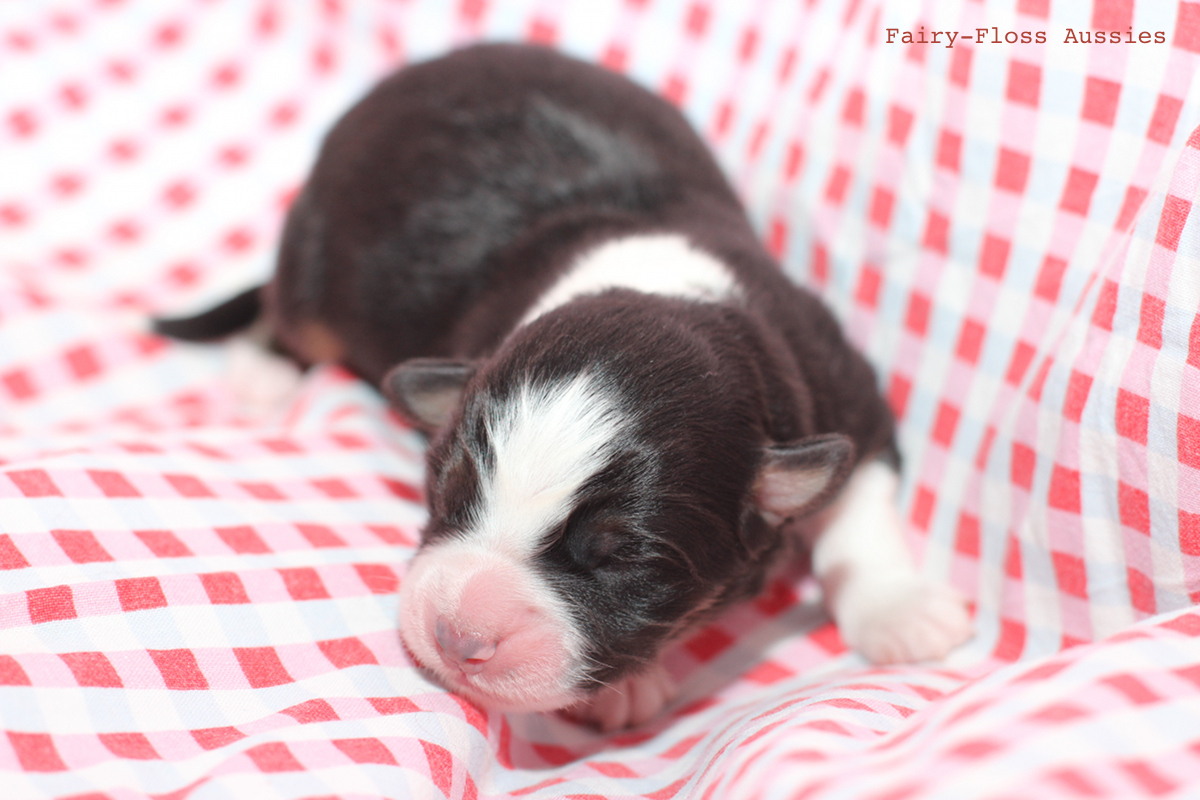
(198,600)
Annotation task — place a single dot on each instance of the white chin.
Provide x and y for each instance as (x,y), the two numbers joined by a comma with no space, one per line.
(512,693)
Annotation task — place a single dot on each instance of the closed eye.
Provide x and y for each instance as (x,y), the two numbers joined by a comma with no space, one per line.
(593,538)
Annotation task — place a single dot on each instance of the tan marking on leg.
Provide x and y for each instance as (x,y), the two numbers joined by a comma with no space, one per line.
(315,343)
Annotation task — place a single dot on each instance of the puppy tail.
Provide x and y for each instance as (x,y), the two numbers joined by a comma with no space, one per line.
(235,314)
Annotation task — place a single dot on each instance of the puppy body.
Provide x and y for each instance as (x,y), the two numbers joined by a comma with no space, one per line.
(628,403)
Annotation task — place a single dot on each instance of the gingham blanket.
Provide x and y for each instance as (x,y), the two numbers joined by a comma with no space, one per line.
(196,603)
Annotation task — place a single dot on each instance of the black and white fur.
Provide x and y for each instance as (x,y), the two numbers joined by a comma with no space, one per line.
(631,410)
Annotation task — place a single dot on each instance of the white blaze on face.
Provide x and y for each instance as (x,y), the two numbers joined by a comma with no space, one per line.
(547,441)
(663,264)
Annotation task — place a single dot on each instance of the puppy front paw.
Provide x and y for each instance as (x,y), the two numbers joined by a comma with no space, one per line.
(915,619)
(627,702)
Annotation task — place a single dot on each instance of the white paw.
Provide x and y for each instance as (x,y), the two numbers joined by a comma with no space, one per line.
(913,619)
(629,701)
(262,383)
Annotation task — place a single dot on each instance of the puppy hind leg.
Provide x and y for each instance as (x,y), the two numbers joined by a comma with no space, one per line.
(884,608)
(261,381)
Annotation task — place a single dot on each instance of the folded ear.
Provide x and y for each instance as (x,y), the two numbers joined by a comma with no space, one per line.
(427,390)
(800,478)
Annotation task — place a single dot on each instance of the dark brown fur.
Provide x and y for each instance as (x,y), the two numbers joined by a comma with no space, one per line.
(379,251)
(450,198)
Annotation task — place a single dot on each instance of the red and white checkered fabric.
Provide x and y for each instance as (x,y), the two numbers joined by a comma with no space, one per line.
(195,604)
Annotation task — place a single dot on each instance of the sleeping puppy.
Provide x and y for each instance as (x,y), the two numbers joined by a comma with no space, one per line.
(632,413)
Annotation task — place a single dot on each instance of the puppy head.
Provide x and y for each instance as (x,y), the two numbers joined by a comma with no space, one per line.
(594,489)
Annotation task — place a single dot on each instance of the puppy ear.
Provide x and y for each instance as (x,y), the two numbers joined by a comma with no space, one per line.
(427,390)
(799,478)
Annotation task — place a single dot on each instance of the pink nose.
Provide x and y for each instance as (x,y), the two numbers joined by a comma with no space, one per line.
(467,651)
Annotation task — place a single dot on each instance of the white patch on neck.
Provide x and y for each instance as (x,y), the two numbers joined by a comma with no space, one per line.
(663,264)
(546,441)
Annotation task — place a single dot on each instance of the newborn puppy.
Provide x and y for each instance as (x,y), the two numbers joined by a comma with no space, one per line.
(631,410)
